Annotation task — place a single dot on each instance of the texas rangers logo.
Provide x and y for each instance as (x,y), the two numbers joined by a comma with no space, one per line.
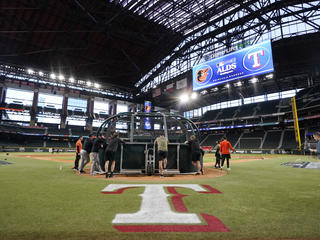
(156,214)
(256,59)
(204,74)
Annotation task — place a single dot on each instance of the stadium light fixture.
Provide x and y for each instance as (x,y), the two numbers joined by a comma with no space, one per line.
(89,83)
(71,79)
(184,98)
(30,71)
(96,85)
(269,76)
(40,74)
(238,84)
(203,92)
(52,76)
(194,95)
(227,85)
(61,77)
(254,80)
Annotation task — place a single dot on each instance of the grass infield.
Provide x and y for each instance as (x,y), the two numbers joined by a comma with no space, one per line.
(260,199)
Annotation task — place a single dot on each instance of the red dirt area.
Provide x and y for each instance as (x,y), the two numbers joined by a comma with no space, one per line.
(208,173)
(49,157)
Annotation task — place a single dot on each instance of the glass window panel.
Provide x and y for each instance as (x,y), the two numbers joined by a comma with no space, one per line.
(50,100)
(48,119)
(204,110)
(18,117)
(122,108)
(97,122)
(121,125)
(259,98)
(247,100)
(76,121)
(19,96)
(101,107)
(273,96)
(224,105)
(287,94)
(77,103)
(235,103)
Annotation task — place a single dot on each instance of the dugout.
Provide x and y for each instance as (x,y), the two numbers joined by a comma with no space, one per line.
(139,130)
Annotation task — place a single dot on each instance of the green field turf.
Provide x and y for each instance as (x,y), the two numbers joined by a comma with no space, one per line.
(260,200)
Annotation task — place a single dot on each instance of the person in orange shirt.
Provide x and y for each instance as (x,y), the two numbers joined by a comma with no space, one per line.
(225,145)
(78,149)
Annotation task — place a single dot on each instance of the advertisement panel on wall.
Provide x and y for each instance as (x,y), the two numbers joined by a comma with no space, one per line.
(250,61)
(147,120)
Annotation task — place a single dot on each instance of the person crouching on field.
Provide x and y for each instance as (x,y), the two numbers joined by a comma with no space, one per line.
(225,145)
(111,152)
(195,152)
(162,143)
(316,137)
(97,144)
(85,152)
(78,150)
(217,154)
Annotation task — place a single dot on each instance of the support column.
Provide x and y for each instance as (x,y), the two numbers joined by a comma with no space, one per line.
(113,107)
(33,110)
(90,106)
(2,99)
(64,112)
(133,108)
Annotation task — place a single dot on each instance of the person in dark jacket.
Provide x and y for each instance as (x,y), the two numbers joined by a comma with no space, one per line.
(195,152)
(98,143)
(85,152)
(217,154)
(316,137)
(111,152)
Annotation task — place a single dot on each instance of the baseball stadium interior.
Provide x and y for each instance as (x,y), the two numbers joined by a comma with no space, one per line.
(67,66)
(160,119)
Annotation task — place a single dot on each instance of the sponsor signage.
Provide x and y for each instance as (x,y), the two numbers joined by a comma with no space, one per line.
(250,61)
(156,92)
(147,120)
(147,106)
(182,83)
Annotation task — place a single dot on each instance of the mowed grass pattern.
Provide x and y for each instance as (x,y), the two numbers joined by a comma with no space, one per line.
(260,200)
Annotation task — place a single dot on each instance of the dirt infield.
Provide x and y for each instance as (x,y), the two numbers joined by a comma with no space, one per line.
(49,157)
(208,171)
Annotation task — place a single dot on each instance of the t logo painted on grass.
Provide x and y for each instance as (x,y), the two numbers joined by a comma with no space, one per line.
(155,209)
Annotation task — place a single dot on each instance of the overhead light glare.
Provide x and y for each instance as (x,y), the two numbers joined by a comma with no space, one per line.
(30,71)
(184,98)
(194,95)
(52,76)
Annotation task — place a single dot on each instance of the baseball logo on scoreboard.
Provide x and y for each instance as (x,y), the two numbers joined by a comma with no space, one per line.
(256,59)
(204,74)
(247,62)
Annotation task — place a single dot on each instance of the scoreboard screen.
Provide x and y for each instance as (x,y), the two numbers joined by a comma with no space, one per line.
(250,61)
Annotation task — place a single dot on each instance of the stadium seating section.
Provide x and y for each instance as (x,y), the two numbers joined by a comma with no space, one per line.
(281,136)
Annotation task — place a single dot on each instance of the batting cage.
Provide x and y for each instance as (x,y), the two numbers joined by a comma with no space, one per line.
(139,153)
